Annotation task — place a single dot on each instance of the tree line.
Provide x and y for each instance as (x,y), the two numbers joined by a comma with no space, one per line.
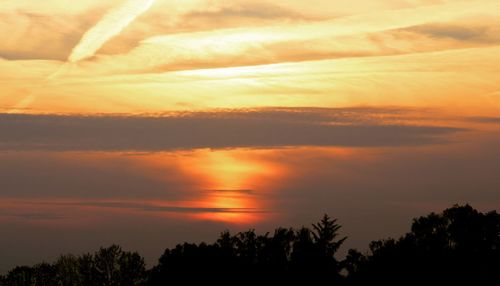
(459,245)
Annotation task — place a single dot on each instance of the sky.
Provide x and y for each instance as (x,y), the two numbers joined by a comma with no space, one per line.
(148,123)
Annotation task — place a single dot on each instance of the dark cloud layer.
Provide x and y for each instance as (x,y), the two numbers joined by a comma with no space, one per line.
(254,129)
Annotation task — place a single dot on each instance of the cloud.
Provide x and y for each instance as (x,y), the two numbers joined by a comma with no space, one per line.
(372,34)
(254,129)
(449,79)
(225,191)
(42,175)
(292,23)
(55,7)
(148,207)
(200,15)
(486,32)
(30,216)
(29,35)
(484,119)
(108,27)
(259,11)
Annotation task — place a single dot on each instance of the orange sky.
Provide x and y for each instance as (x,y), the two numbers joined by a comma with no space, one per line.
(155,56)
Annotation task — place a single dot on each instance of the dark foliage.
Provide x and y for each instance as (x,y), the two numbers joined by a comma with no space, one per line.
(460,245)
(107,267)
(286,256)
(457,247)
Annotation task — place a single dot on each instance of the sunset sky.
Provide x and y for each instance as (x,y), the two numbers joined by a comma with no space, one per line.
(147,123)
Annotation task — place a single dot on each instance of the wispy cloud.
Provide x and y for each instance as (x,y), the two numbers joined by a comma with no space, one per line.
(484,119)
(26,34)
(260,11)
(108,27)
(235,192)
(149,207)
(30,215)
(485,32)
(369,34)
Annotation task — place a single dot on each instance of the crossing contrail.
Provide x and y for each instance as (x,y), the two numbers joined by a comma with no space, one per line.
(108,27)
(111,25)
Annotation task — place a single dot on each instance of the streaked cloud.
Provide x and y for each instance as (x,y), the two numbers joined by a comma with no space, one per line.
(369,34)
(151,207)
(228,191)
(410,80)
(485,31)
(29,216)
(484,119)
(255,11)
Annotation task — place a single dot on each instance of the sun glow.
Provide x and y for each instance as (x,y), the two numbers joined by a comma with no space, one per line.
(232,181)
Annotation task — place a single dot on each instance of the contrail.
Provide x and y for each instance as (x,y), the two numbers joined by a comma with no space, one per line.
(110,26)
(31,96)
(21,105)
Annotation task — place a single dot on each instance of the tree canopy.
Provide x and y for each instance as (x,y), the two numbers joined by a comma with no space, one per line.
(459,245)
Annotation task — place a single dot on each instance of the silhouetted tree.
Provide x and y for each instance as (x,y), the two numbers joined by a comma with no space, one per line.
(303,250)
(247,245)
(20,276)
(115,267)
(326,231)
(461,245)
(276,252)
(326,245)
(87,270)
(68,271)
(227,246)
(106,262)
(108,266)
(283,257)
(352,263)
(132,269)
(44,274)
